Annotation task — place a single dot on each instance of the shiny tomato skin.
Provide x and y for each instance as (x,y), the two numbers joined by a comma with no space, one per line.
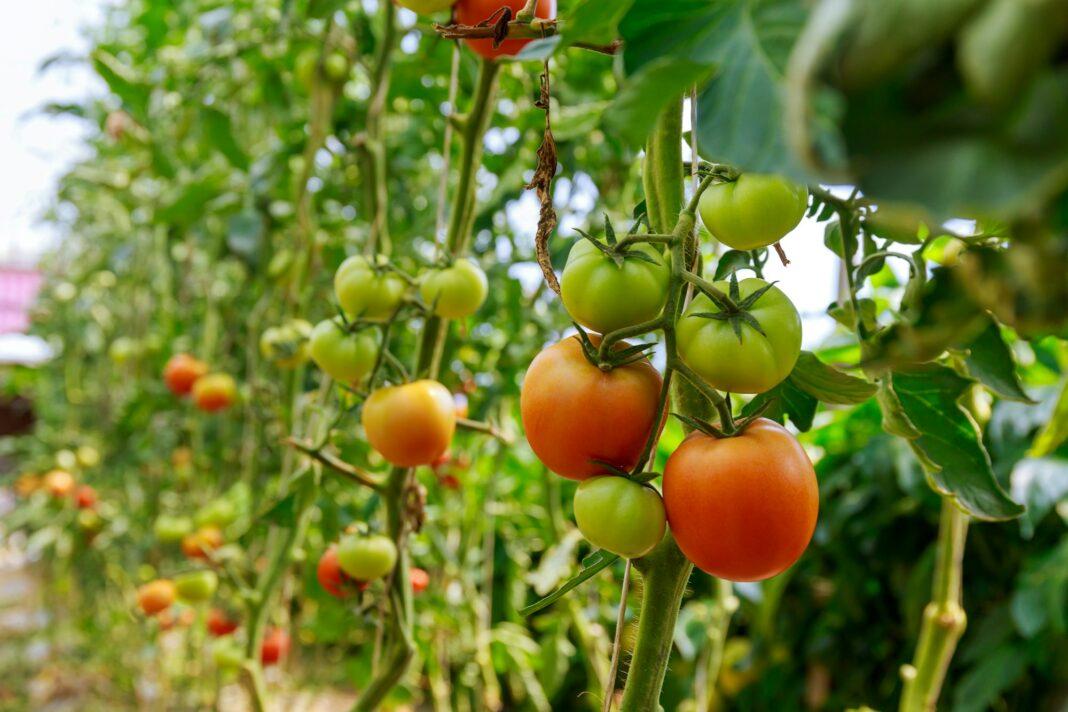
(181,372)
(365,291)
(366,558)
(410,424)
(604,296)
(220,624)
(345,357)
(574,413)
(754,363)
(214,392)
(742,508)
(619,515)
(275,646)
(472,12)
(754,211)
(456,291)
(156,596)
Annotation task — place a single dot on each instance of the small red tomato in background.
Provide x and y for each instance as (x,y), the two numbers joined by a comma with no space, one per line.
(202,542)
(472,12)
(85,497)
(214,392)
(181,372)
(220,624)
(275,646)
(333,580)
(420,579)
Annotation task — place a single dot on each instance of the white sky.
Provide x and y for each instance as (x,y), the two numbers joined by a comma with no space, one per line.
(34,148)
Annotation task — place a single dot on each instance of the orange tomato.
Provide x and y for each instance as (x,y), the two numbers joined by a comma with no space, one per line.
(742,508)
(59,483)
(181,372)
(156,596)
(85,497)
(411,424)
(472,12)
(215,391)
(219,623)
(575,413)
(420,579)
(202,542)
(333,580)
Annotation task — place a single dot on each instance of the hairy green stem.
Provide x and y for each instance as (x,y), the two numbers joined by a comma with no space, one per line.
(944,619)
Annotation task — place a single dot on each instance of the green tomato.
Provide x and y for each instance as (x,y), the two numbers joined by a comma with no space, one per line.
(365,293)
(306,66)
(336,67)
(170,529)
(426,7)
(456,291)
(227,655)
(344,357)
(366,558)
(286,345)
(620,515)
(216,513)
(603,296)
(754,211)
(753,362)
(196,586)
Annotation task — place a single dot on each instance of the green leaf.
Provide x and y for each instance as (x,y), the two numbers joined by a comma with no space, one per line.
(592,565)
(991,362)
(220,132)
(731,261)
(843,314)
(984,683)
(949,439)
(827,383)
(594,21)
(787,400)
(120,79)
(1055,431)
(644,96)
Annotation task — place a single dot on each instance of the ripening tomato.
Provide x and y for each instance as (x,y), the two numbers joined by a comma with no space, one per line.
(754,211)
(411,424)
(169,528)
(84,497)
(214,392)
(181,372)
(742,508)
(345,357)
(287,345)
(202,542)
(366,558)
(425,7)
(604,296)
(227,655)
(575,413)
(620,515)
(59,483)
(220,623)
(168,619)
(472,12)
(456,291)
(333,580)
(275,646)
(156,596)
(420,579)
(27,484)
(367,291)
(336,67)
(753,362)
(220,512)
(196,586)
(89,522)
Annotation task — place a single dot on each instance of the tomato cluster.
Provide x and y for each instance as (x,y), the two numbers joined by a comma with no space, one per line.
(185,375)
(741,500)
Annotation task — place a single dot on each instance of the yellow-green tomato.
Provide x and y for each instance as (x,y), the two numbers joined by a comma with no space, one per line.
(752,362)
(217,513)
(170,528)
(365,292)
(345,357)
(226,654)
(286,345)
(620,515)
(754,211)
(425,7)
(456,291)
(196,586)
(366,558)
(604,296)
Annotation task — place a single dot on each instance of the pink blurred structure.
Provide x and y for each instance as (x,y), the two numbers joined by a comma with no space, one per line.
(18,290)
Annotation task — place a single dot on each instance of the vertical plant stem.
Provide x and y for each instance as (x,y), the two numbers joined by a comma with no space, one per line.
(621,617)
(944,619)
(378,175)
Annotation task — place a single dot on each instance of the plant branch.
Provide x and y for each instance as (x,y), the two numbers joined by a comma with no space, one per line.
(335,463)
(487,428)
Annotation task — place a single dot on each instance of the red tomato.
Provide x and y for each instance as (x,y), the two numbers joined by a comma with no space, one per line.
(215,391)
(181,372)
(333,580)
(420,579)
(219,623)
(472,12)
(202,542)
(574,413)
(85,497)
(411,424)
(275,646)
(742,508)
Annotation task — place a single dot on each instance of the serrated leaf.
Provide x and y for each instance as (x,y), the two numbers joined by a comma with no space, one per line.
(949,439)
(991,362)
(827,383)
(592,565)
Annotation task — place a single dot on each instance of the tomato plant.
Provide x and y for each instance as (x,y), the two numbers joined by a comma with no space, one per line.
(620,515)
(753,211)
(181,372)
(214,392)
(410,424)
(456,291)
(577,417)
(286,345)
(343,356)
(366,558)
(472,12)
(366,289)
